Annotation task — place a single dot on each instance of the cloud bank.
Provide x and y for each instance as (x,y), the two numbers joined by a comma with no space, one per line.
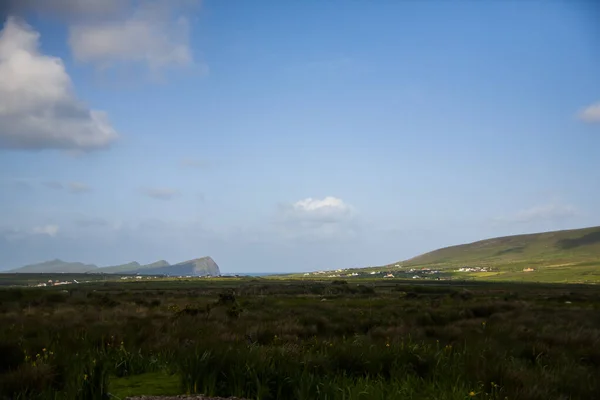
(111,33)
(38,109)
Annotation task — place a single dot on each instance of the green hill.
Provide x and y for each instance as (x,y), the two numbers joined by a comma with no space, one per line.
(569,255)
(57,266)
(196,267)
(130,267)
(115,269)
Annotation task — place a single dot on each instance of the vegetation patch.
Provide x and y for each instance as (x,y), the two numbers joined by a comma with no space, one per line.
(296,339)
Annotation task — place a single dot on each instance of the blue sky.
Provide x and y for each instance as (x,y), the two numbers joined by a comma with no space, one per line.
(292,136)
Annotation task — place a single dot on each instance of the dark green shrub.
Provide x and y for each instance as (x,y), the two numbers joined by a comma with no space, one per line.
(366,290)
(11,356)
(339,282)
(27,381)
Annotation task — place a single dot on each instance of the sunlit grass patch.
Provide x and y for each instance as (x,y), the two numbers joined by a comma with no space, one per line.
(152,383)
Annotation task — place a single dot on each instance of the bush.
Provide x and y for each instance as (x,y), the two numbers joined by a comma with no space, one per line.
(226,298)
(339,282)
(56,297)
(11,356)
(26,381)
(362,289)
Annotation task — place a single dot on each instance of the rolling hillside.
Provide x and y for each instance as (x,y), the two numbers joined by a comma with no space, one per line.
(538,249)
(559,256)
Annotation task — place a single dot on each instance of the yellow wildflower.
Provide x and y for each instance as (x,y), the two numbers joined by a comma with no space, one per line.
(471,394)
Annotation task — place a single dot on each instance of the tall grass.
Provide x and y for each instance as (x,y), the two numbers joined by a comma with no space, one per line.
(328,370)
(261,340)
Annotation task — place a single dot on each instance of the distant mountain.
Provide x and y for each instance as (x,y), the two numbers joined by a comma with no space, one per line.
(157,264)
(129,267)
(197,267)
(119,268)
(57,266)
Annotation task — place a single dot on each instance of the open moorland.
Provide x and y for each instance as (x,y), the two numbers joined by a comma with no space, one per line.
(296,339)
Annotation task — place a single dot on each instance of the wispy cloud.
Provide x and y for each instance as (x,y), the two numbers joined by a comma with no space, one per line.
(71,187)
(49,230)
(53,185)
(159,193)
(154,34)
(78,187)
(591,113)
(541,213)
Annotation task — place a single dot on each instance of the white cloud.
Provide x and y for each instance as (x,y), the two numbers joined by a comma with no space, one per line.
(160,193)
(38,109)
(591,113)
(50,230)
(329,209)
(154,35)
(311,218)
(328,203)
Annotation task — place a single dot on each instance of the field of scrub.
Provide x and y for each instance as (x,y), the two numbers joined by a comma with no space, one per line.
(277,339)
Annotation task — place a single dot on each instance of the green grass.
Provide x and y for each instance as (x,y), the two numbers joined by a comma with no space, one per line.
(155,383)
(520,251)
(269,339)
(570,256)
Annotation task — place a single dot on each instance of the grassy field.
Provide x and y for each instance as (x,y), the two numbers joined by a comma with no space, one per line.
(569,256)
(278,339)
(539,249)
